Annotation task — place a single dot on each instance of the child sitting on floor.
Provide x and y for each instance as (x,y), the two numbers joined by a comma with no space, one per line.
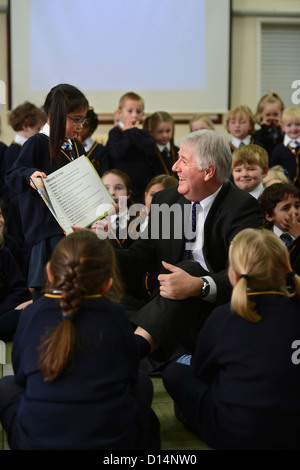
(76,361)
(242,389)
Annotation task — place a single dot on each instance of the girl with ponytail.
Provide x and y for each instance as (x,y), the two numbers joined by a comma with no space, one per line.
(75,358)
(54,146)
(242,389)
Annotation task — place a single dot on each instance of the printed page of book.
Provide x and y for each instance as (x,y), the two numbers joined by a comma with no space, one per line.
(40,187)
(78,195)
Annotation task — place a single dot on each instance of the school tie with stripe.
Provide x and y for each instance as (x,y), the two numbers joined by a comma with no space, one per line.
(287,239)
(166,152)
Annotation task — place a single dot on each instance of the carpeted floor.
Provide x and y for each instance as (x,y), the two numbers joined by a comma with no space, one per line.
(174,436)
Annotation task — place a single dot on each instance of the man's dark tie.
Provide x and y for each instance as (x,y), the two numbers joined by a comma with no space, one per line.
(186,253)
(241,144)
(287,239)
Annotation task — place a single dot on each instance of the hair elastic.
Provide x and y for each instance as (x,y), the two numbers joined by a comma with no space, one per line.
(67,317)
(245,276)
(291,274)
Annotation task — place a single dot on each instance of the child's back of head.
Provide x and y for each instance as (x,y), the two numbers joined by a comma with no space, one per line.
(259,261)
(26,115)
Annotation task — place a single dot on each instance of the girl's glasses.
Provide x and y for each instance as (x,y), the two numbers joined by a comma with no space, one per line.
(77,121)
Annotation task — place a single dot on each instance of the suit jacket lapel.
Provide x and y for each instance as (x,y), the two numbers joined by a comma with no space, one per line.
(210,218)
(178,243)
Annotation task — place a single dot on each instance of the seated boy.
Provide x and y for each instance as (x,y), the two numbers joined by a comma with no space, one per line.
(240,124)
(249,167)
(280,205)
(287,153)
(129,148)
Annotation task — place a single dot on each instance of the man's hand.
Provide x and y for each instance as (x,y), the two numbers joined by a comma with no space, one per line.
(178,285)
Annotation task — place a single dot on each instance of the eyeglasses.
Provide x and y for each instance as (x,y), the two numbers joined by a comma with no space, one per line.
(77,121)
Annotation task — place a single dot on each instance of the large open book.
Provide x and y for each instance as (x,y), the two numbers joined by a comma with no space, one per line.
(75,194)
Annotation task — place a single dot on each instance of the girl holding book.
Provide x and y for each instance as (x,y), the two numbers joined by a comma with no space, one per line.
(54,146)
(75,356)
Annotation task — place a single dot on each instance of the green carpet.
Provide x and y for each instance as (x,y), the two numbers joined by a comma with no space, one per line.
(174,436)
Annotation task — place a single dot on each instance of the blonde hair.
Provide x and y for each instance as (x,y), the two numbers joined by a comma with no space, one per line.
(262,261)
(242,110)
(270,97)
(291,112)
(203,118)
(275,173)
(156,118)
(252,154)
(130,95)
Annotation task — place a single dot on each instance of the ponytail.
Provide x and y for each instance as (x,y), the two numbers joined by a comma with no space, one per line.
(80,265)
(61,100)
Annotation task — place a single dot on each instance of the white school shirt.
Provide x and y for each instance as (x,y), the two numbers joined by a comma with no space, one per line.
(236,142)
(292,143)
(88,144)
(279,232)
(162,147)
(256,192)
(197,253)
(20,139)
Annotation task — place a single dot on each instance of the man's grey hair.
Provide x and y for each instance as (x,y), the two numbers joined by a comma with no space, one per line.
(210,148)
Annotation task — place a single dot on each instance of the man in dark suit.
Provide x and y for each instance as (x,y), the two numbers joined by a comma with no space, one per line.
(191,283)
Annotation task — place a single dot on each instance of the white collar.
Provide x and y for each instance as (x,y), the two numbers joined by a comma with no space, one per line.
(236,142)
(208,201)
(45,130)
(162,147)
(279,232)
(88,144)
(20,139)
(256,192)
(291,142)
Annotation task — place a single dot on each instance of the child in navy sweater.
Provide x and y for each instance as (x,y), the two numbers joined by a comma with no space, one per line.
(129,148)
(54,146)
(287,154)
(26,120)
(242,391)
(161,126)
(268,116)
(75,359)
